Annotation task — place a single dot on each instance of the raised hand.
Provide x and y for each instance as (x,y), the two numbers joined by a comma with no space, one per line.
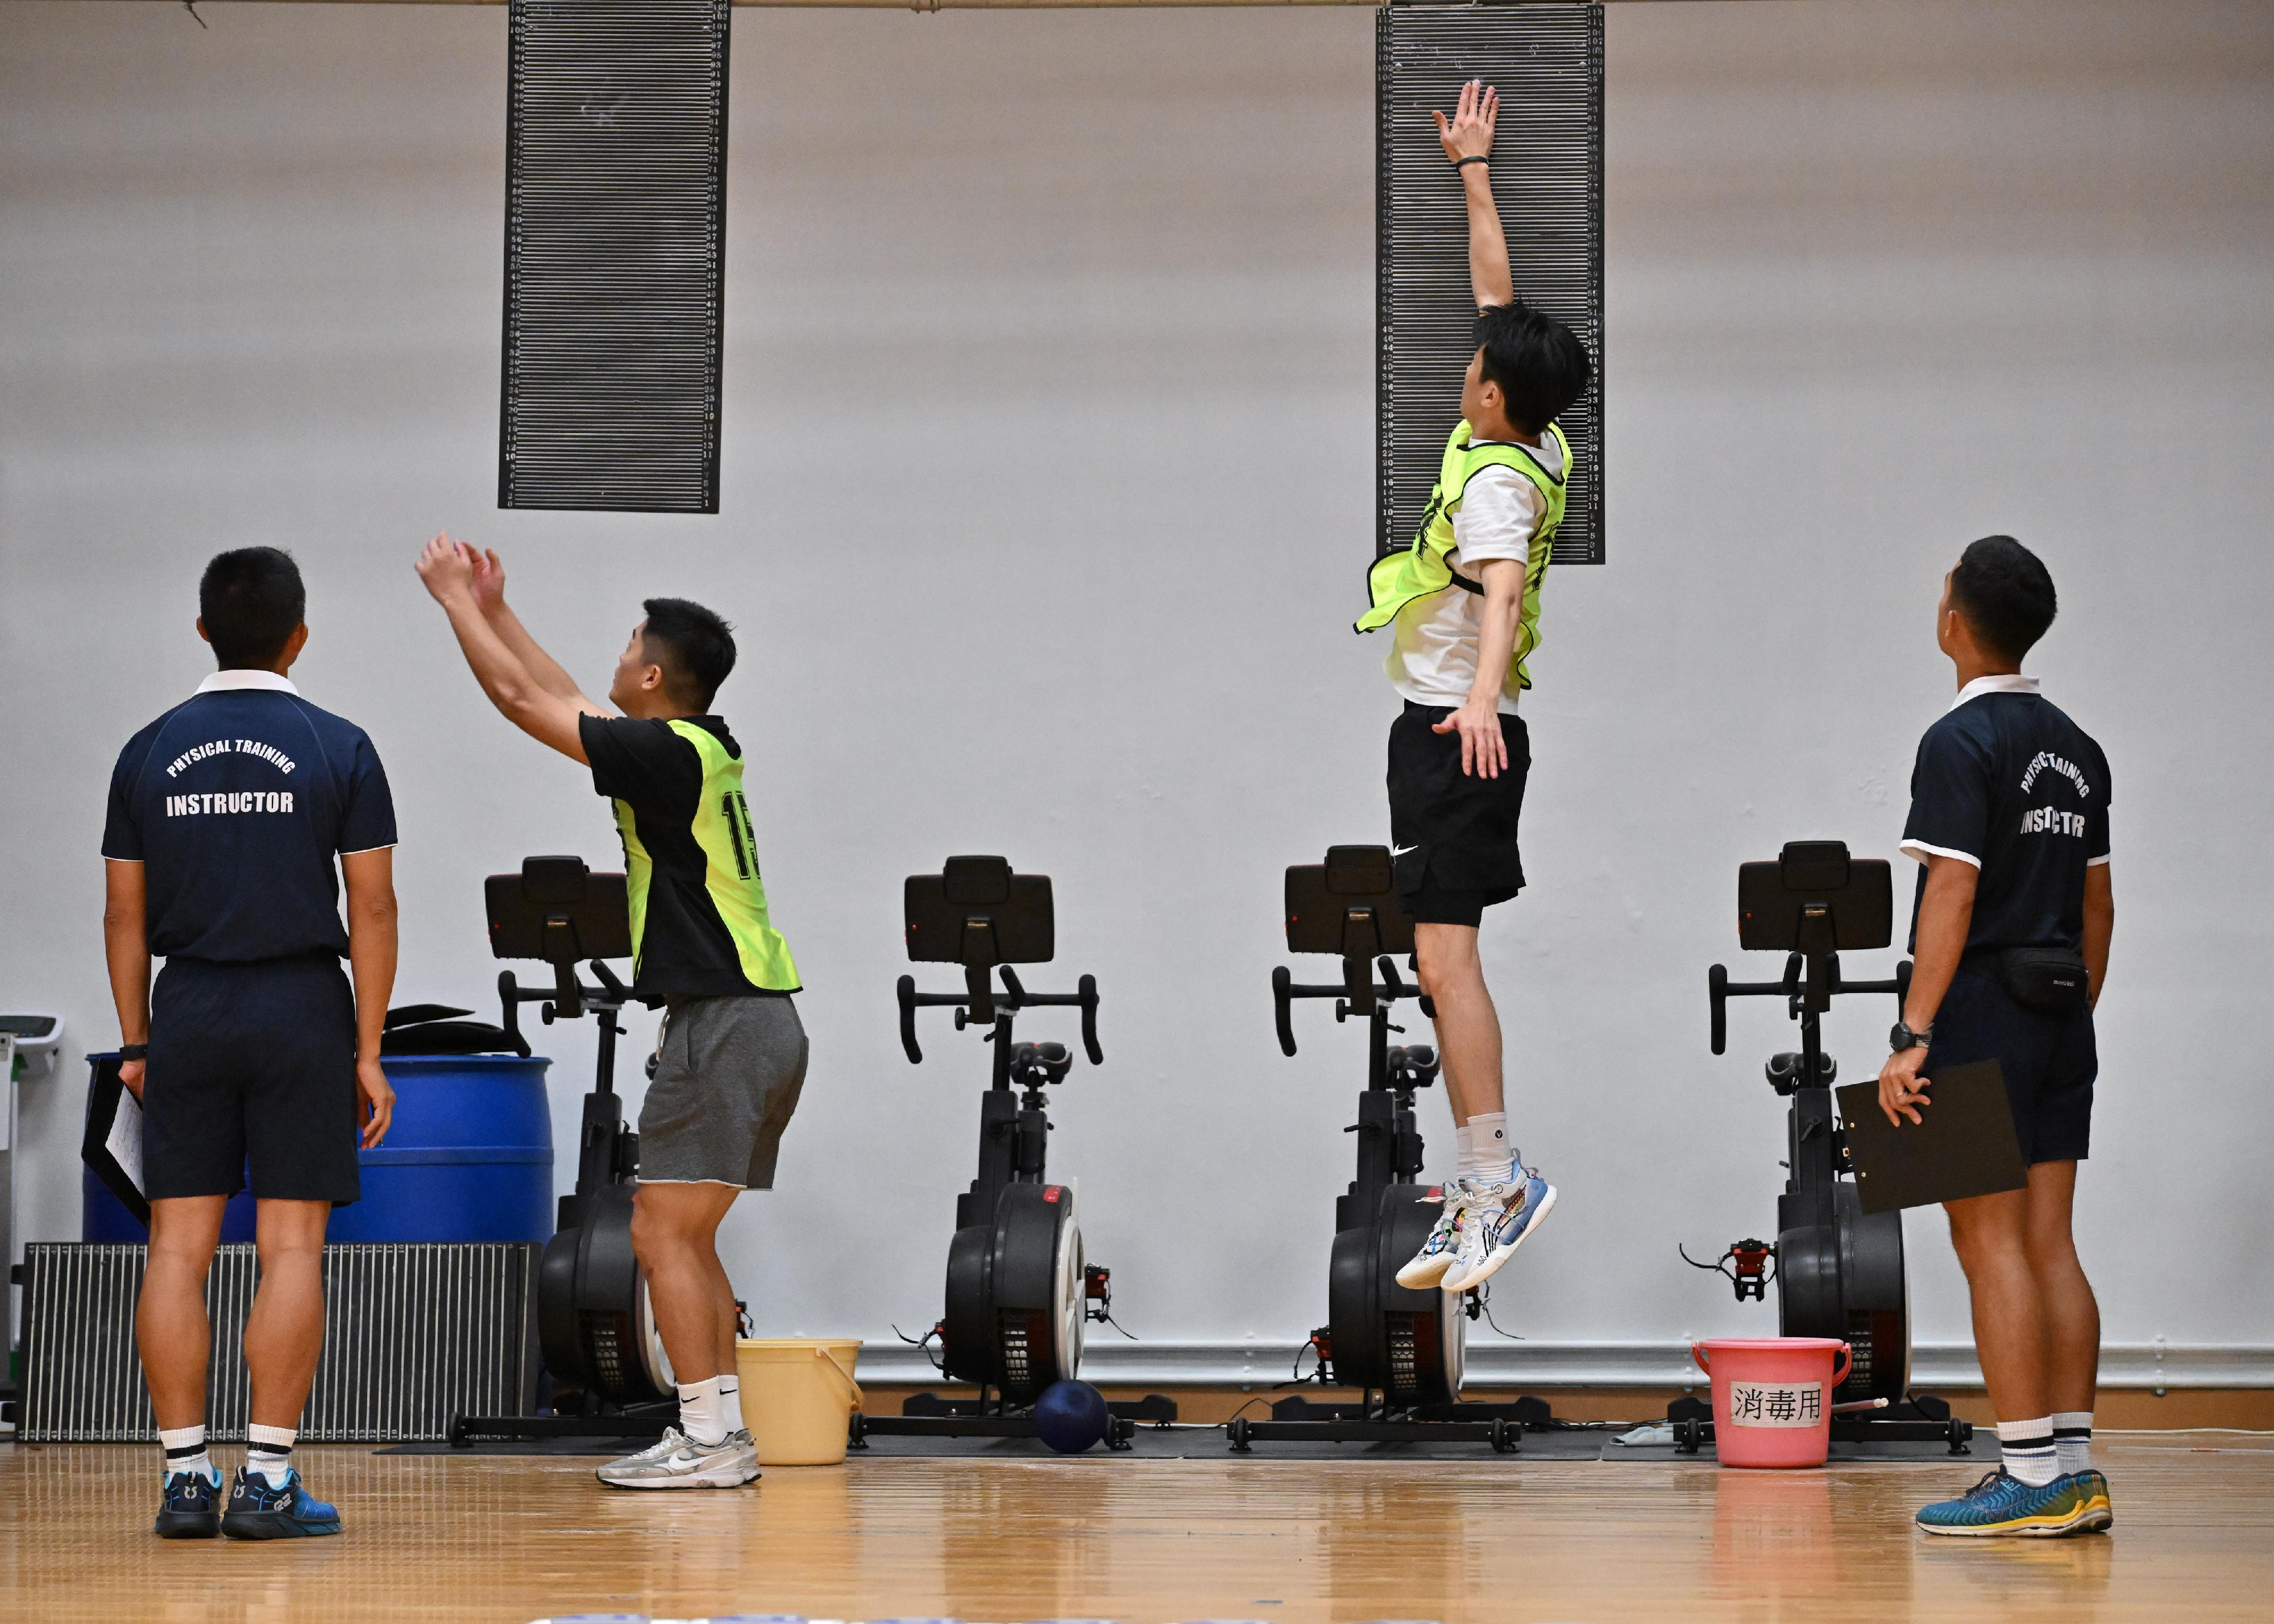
(1469,133)
(489,578)
(446,568)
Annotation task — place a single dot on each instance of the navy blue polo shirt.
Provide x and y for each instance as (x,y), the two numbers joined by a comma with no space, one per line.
(236,803)
(2007,782)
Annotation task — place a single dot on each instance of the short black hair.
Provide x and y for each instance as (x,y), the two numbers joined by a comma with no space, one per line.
(1539,363)
(694,646)
(251,601)
(2006,593)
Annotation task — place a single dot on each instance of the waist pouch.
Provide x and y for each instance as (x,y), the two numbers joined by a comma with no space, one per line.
(2051,980)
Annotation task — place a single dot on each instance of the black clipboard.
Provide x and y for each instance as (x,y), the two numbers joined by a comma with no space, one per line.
(1963,1144)
(104,1092)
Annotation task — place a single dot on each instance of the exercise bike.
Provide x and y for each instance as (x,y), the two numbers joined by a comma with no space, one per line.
(595,1324)
(1405,1350)
(1019,1292)
(1839,1270)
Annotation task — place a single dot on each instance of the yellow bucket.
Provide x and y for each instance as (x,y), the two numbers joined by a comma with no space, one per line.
(798,1396)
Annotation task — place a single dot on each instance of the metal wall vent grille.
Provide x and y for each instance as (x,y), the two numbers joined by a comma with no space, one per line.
(614,254)
(413,1335)
(1547,173)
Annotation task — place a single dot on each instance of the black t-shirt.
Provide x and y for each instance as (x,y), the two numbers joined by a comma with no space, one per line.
(236,803)
(655,777)
(2007,782)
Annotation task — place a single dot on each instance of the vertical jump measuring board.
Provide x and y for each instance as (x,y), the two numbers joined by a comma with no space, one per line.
(615,247)
(1547,174)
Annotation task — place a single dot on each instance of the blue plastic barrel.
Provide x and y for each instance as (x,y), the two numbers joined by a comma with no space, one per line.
(469,1158)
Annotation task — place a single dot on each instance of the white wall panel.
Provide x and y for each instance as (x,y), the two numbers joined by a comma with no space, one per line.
(1047,491)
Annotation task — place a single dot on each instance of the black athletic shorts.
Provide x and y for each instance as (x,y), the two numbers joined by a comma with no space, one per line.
(1453,833)
(2050,1063)
(252,1067)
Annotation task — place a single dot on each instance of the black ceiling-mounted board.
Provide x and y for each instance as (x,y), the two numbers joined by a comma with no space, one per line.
(1547,174)
(614,255)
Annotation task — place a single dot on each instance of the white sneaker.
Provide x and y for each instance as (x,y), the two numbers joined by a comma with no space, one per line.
(677,1461)
(1429,1266)
(1500,1218)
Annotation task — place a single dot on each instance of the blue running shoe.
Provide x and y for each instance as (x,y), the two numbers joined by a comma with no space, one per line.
(2099,1514)
(2003,1504)
(256,1511)
(190,1508)
(1500,1220)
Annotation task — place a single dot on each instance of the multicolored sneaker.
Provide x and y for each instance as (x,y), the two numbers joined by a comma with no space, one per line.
(2099,1514)
(285,1511)
(1500,1218)
(677,1461)
(191,1507)
(2003,1504)
(1427,1267)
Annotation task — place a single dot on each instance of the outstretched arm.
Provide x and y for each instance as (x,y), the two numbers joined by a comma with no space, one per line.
(1467,139)
(489,593)
(447,568)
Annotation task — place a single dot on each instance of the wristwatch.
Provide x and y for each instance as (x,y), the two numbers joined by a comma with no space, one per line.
(133,1051)
(1902,1038)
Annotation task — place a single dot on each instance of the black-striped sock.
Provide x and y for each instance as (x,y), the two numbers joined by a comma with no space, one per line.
(186,1450)
(268,1451)
(2028,1449)
(2073,1441)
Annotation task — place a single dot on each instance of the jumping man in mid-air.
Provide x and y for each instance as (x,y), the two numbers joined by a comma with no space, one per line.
(1463,604)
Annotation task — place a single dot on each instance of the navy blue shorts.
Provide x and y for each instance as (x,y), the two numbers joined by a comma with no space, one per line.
(2050,1063)
(252,1068)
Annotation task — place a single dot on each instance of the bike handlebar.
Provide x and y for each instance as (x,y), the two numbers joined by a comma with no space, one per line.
(1285,989)
(1014,998)
(1720,988)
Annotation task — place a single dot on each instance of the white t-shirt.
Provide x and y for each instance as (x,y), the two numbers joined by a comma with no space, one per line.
(1433,652)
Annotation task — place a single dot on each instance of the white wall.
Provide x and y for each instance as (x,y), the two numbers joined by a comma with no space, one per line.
(1048,485)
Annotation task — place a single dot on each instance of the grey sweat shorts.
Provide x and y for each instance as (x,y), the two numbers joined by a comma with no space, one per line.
(727,1075)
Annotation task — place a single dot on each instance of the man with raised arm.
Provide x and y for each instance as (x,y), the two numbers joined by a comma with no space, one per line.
(730,1060)
(1463,606)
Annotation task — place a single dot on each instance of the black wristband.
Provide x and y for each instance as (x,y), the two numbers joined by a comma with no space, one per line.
(133,1051)
(1462,164)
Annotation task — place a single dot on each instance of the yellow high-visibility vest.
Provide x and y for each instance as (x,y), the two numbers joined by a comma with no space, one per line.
(1398,578)
(730,873)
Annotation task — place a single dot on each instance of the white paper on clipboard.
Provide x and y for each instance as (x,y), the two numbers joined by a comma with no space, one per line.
(124,1141)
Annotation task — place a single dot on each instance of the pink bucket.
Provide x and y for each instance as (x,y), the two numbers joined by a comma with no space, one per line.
(1773,1397)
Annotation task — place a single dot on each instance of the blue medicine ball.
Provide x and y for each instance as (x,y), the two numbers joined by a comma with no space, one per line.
(1070,1417)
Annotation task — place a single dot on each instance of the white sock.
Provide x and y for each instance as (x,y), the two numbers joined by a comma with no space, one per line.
(268,1451)
(2073,1441)
(1488,1158)
(730,1401)
(186,1450)
(1463,1149)
(2028,1449)
(703,1411)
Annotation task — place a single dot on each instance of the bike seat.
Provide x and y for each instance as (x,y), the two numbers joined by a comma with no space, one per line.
(1784,1072)
(1414,1066)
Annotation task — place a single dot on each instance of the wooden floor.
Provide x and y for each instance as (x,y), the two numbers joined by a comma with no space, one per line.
(1143,1541)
